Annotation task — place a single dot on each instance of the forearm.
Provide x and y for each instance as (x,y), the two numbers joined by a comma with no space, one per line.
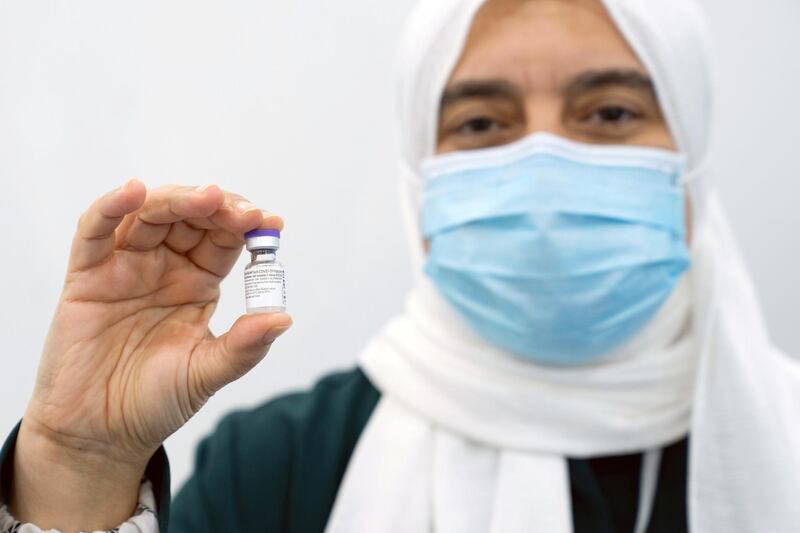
(68,488)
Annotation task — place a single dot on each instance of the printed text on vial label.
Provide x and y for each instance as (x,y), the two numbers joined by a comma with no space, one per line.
(264,286)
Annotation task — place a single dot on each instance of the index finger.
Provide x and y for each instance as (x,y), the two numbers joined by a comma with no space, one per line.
(179,216)
(219,249)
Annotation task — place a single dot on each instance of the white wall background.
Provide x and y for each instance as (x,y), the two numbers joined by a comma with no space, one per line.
(290,103)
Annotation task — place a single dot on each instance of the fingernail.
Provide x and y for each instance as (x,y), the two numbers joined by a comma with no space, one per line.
(202,188)
(274,333)
(123,186)
(244,207)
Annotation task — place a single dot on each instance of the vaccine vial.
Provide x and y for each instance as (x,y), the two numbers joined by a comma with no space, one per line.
(264,281)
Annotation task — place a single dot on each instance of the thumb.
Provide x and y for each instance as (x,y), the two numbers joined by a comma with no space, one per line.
(218,361)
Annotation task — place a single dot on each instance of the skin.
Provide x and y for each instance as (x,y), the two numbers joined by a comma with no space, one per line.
(129,357)
(557,66)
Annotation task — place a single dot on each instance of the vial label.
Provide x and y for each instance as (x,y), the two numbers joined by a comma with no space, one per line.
(265,287)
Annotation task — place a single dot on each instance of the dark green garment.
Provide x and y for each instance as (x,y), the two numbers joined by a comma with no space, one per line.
(277,468)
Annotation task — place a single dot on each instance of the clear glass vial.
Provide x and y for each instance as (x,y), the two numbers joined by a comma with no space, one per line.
(264,280)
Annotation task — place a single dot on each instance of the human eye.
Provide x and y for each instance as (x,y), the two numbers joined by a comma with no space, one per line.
(479,125)
(612,115)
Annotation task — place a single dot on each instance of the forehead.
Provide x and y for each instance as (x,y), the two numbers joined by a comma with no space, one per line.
(542,43)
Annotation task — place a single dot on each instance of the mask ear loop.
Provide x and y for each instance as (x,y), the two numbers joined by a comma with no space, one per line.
(690,176)
(410,192)
(695,185)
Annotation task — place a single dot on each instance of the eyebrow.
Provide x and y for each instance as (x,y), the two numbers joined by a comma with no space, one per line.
(479,89)
(601,79)
(583,82)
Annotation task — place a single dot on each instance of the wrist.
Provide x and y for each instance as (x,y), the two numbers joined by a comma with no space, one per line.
(59,485)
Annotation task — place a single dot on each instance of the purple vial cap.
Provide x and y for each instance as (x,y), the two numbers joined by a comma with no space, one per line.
(262,233)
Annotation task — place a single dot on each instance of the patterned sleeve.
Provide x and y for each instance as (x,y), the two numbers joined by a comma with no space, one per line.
(144,518)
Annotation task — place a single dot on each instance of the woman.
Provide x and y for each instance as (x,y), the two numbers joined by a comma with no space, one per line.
(584,350)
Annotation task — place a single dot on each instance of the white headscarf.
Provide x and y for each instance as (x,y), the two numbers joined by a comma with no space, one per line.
(467,438)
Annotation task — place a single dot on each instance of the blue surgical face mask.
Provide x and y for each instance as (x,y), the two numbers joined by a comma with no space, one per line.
(555,250)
